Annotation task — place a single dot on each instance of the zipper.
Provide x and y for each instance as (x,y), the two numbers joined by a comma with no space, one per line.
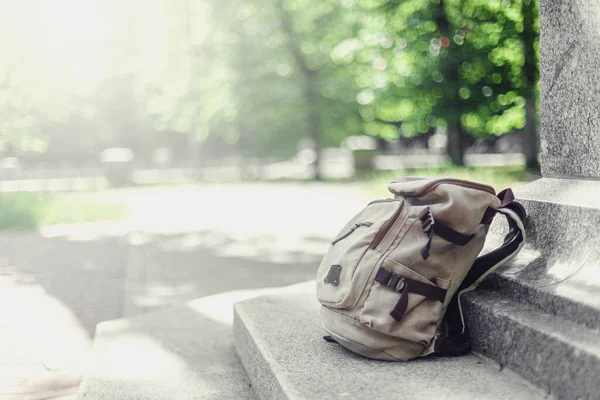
(388,225)
(382,201)
(458,182)
(354,227)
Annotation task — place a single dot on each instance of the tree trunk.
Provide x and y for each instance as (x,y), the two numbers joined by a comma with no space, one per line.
(530,75)
(311,93)
(452,102)
(314,119)
(456,144)
(530,133)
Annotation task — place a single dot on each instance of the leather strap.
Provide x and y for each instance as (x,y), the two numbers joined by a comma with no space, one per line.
(506,197)
(404,286)
(432,226)
(512,244)
(443,230)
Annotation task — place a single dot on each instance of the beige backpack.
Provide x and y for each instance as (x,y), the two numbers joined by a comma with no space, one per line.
(391,282)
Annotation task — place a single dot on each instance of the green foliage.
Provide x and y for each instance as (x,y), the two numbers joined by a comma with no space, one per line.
(386,68)
(274,51)
(257,76)
(455,59)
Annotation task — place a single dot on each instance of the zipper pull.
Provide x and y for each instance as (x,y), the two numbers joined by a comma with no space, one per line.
(354,227)
(427,223)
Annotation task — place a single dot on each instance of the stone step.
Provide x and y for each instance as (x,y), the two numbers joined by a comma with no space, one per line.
(557,270)
(279,340)
(557,355)
(567,299)
(186,352)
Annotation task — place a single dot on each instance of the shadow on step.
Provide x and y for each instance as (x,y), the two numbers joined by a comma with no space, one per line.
(102,275)
(179,353)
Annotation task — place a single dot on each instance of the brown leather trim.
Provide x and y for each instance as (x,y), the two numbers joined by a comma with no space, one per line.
(384,230)
(506,197)
(451,181)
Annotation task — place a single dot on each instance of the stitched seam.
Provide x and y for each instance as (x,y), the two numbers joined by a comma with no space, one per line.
(413,271)
(362,345)
(442,279)
(451,279)
(364,287)
(380,259)
(341,315)
(367,347)
(405,205)
(403,236)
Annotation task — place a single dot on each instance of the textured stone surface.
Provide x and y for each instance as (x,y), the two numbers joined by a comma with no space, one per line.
(557,270)
(572,305)
(542,316)
(574,192)
(279,339)
(557,355)
(570,88)
(181,353)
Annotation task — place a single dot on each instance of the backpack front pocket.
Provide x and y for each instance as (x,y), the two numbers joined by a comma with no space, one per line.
(404,303)
(354,252)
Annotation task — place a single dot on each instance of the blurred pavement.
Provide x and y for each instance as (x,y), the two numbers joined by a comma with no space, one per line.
(179,243)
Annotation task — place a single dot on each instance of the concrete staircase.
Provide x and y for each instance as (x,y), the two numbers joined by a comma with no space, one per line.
(534,325)
(279,340)
(534,328)
(539,315)
(188,353)
(559,356)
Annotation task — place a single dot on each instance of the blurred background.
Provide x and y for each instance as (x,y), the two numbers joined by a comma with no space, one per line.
(131,92)
(156,151)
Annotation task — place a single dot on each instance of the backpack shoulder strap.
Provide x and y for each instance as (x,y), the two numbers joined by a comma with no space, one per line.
(513,241)
(454,341)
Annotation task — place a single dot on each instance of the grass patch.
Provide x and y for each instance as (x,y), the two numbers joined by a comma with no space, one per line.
(23,210)
(498,177)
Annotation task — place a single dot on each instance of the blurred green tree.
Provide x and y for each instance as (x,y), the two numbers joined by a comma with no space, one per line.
(457,65)
(257,77)
(283,85)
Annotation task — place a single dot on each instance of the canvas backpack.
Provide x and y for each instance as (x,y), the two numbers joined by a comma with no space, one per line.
(390,285)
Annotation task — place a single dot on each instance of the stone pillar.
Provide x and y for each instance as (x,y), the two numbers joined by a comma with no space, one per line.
(563,245)
(551,290)
(570,88)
